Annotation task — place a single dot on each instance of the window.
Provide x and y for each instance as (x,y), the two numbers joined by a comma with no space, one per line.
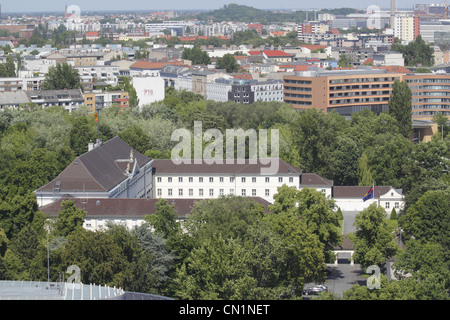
(253,192)
(200,192)
(253,179)
(291,179)
(267,179)
(180,192)
(387,205)
(221,179)
(231,179)
(191,179)
(159,179)
(396,205)
(211,179)
(169,179)
(211,192)
(180,179)
(169,192)
(243,179)
(267,192)
(191,192)
(243,192)
(221,192)
(280,179)
(200,179)
(159,192)
(324,191)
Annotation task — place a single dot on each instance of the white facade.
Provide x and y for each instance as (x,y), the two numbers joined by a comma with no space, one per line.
(149,89)
(217,91)
(108,74)
(211,186)
(268,91)
(388,200)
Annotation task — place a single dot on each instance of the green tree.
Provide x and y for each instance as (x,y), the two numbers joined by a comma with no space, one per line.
(99,258)
(373,243)
(344,61)
(315,210)
(81,134)
(428,219)
(70,218)
(228,62)
(196,55)
(400,106)
(62,76)
(365,177)
(416,52)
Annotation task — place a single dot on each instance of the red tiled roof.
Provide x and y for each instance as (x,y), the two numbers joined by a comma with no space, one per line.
(396,69)
(313,46)
(242,76)
(301,67)
(276,53)
(254,53)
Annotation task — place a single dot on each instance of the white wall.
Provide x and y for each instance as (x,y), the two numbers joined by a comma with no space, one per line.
(149,89)
(254,185)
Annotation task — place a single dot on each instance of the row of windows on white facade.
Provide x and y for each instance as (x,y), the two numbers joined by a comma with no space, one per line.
(222,179)
(201,192)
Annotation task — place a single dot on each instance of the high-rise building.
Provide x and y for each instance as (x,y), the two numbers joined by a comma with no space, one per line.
(406,27)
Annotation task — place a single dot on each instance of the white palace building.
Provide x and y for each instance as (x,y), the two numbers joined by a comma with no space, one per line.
(113,182)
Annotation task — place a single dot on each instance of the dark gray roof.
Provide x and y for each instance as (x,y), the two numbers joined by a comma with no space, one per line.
(358,191)
(167,166)
(127,208)
(100,169)
(312,179)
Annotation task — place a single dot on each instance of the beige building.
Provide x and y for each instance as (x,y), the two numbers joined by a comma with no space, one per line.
(406,27)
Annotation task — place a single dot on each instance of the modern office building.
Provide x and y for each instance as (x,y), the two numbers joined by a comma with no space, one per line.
(349,91)
(430,94)
(345,91)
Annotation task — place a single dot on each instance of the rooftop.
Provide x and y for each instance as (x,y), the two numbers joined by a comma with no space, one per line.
(100,169)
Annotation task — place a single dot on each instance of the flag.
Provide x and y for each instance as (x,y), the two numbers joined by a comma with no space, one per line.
(96,117)
(368,195)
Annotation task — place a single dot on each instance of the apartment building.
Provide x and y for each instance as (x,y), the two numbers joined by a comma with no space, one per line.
(21,83)
(407,27)
(345,91)
(99,100)
(349,91)
(430,94)
(244,91)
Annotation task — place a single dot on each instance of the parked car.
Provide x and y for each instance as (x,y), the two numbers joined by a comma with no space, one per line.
(314,290)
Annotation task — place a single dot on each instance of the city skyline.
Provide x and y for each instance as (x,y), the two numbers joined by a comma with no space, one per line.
(19,6)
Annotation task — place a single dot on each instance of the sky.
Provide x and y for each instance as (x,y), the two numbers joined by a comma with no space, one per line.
(94,5)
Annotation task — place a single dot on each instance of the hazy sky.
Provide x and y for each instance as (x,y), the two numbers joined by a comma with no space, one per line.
(92,5)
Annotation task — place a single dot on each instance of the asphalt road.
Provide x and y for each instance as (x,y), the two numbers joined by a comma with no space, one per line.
(343,276)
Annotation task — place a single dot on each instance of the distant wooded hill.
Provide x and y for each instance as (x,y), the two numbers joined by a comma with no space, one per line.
(242,13)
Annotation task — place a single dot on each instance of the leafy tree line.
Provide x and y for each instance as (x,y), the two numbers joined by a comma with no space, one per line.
(276,252)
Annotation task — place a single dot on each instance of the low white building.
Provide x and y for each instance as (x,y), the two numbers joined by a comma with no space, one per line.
(349,198)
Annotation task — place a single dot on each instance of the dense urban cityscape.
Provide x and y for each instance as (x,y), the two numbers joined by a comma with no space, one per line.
(114,125)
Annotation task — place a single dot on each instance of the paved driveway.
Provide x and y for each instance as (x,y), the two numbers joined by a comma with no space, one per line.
(349,219)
